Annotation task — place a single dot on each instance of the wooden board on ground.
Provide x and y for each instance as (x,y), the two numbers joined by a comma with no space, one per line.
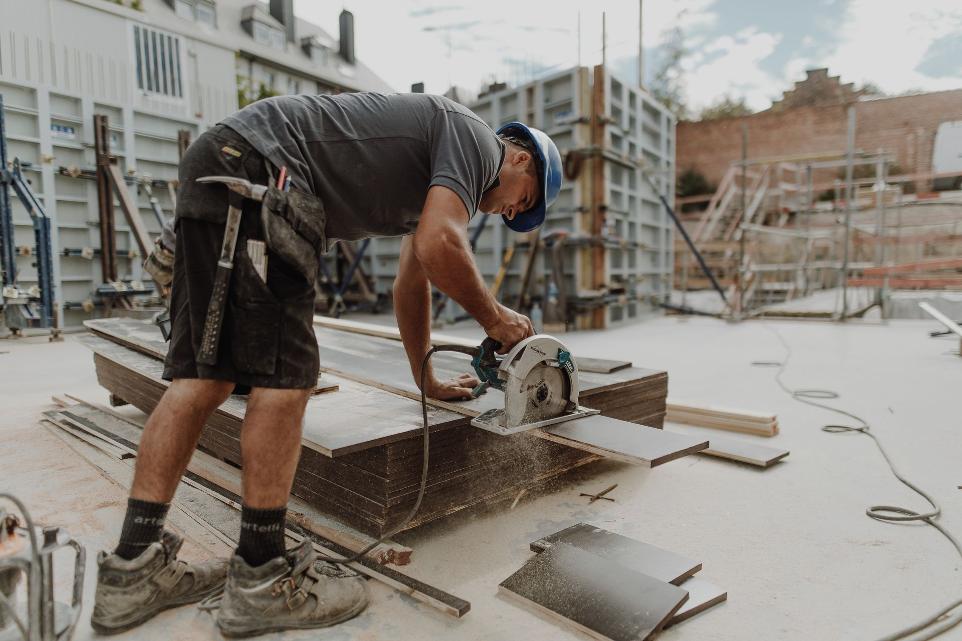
(599,597)
(585,364)
(722,419)
(370,477)
(742,450)
(623,441)
(634,555)
(702,595)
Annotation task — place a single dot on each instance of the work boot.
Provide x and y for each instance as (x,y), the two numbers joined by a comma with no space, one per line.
(290,592)
(131,592)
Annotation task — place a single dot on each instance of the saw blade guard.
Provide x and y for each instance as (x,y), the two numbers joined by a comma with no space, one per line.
(540,381)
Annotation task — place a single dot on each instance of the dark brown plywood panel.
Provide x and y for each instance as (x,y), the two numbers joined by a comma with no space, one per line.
(599,597)
(634,555)
(624,441)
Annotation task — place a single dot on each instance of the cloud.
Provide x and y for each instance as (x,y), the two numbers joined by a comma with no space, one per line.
(888,47)
(729,65)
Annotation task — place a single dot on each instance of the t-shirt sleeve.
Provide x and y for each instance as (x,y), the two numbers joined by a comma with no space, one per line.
(466,156)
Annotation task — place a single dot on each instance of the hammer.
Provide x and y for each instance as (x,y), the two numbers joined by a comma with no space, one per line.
(240,188)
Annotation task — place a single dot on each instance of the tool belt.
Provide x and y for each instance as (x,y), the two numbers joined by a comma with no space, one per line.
(293,224)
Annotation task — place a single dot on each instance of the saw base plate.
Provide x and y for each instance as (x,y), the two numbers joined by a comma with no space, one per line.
(494,421)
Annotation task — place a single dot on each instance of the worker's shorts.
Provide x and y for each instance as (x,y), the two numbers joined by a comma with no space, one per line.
(267,338)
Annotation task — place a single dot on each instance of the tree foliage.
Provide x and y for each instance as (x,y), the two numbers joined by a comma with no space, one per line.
(725,107)
(667,86)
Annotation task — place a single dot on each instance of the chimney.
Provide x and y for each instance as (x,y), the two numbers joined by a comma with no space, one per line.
(417,87)
(283,12)
(347,36)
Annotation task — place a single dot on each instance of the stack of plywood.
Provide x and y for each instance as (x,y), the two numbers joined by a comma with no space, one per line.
(362,453)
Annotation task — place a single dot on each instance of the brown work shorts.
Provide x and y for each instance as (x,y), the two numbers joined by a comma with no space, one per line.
(267,338)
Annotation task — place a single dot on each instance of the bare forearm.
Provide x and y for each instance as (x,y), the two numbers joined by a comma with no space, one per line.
(449,264)
(412,309)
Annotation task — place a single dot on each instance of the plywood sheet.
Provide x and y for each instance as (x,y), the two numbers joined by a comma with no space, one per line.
(595,595)
(356,417)
(624,441)
(702,595)
(745,451)
(629,553)
(595,365)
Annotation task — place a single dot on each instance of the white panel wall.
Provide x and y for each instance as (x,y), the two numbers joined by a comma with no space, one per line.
(61,62)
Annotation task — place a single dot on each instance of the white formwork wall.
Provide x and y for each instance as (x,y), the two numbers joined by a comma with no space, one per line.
(638,256)
(59,68)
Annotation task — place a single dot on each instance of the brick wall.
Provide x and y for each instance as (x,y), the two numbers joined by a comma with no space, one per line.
(904,126)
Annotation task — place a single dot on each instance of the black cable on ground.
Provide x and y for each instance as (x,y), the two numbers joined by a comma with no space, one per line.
(943,620)
(424,460)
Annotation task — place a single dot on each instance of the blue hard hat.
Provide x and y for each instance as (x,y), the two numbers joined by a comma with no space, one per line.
(548,163)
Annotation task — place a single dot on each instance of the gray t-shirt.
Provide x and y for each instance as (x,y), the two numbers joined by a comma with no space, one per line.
(371,157)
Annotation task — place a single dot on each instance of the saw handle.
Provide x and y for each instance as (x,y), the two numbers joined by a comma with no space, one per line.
(489,353)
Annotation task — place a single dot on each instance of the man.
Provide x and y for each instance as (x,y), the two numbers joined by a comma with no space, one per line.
(413,165)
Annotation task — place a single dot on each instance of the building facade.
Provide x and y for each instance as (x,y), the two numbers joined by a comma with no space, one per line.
(155,68)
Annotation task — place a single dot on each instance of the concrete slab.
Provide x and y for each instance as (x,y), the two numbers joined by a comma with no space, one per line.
(791,544)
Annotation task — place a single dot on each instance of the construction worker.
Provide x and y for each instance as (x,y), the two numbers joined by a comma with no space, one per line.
(361,165)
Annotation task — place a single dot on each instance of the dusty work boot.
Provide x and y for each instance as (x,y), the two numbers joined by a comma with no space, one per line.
(290,592)
(131,592)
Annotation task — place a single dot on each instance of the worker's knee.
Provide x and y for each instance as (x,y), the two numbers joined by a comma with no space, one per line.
(204,393)
(281,402)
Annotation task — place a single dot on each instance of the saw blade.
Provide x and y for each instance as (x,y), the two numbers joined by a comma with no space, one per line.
(545,389)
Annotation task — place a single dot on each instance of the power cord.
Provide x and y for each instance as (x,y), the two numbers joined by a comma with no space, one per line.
(424,460)
(937,623)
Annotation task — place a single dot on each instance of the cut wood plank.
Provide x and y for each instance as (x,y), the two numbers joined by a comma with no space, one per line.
(744,452)
(585,364)
(599,597)
(623,441)
(722,419)
(634,555)
(701,596)
(673,405)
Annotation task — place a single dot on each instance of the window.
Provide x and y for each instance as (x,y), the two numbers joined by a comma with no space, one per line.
(294,86)
(269,36)
(206,14)
(184,9)
(157,62)
(202,11)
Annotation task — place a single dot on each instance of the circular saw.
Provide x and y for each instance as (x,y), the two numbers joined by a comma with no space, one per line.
(539,378)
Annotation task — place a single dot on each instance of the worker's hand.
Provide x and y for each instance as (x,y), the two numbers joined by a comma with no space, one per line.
(456,389)
(510,328)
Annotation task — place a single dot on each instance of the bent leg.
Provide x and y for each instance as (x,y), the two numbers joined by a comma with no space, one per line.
(171,434)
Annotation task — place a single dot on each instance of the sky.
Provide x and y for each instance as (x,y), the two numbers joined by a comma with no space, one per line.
(743,49)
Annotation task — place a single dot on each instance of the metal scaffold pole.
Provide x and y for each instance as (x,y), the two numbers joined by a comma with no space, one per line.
(849,204)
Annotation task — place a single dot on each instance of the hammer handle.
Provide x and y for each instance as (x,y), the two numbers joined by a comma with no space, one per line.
(215,316)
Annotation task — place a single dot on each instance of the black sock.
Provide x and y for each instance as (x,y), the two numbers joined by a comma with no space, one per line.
(261,535)
(143,525)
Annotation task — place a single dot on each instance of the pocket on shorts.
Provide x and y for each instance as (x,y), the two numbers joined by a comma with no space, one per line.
(256,317)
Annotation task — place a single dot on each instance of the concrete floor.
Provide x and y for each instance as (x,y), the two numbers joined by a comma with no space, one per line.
(791,544)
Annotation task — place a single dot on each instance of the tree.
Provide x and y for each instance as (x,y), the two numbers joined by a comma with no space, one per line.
(725,107)
(667,86)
